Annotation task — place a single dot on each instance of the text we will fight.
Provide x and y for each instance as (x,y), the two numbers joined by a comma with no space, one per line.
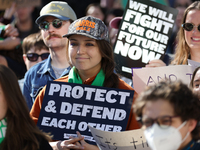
(144,32)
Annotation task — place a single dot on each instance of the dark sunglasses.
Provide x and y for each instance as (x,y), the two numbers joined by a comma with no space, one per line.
(162,121)
(34,57)
(190,26)
(44,25)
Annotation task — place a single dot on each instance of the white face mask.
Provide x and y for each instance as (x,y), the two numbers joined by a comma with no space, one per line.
(164,139)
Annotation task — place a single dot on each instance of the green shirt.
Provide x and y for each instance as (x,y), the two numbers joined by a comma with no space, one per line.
(3,127)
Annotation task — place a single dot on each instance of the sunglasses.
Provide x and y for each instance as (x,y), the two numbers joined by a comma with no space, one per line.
(189,26)
(34,57)
(162,121)
(57,23)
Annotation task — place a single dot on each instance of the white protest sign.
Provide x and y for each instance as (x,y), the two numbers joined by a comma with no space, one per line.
(148,76)
(126,140)
(193,63)
(143,34)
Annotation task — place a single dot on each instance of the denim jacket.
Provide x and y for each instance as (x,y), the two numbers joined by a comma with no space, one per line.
(36,78)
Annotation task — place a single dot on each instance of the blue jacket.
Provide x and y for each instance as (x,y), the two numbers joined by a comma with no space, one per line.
(192,146)
(36,78)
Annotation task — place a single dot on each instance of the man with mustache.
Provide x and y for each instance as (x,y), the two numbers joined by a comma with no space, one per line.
(54,20)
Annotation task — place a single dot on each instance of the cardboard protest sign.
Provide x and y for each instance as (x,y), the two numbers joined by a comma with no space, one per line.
(143,34)
(193,63)
(148,76)
(69,107)
(126,140)
(20,3)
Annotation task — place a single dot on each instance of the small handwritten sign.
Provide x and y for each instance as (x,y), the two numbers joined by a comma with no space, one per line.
(148,76)
(193,63)
(126,140)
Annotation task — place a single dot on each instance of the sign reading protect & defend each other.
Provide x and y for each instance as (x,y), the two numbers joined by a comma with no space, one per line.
(69,107)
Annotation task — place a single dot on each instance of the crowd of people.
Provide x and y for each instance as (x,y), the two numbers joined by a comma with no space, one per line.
(60,45)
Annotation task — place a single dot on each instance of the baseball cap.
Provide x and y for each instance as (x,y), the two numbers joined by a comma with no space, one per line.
(115,22)
(89,26)
(58,9)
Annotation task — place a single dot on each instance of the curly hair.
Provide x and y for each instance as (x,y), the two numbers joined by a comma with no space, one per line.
(185,104)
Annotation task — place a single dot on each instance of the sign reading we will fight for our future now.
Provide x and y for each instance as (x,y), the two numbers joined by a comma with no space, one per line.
(143,34)
(69,107)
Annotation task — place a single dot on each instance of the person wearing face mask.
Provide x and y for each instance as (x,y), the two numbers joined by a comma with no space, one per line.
(170,114)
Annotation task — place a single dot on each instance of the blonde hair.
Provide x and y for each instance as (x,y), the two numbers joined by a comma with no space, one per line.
(183,50)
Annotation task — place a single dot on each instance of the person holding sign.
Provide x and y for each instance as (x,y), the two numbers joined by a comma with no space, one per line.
(17,129)
(188,38)
(91,55)
(170,114)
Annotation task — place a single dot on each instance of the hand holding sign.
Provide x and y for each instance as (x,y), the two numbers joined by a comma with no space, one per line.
(156,63)
(72,143)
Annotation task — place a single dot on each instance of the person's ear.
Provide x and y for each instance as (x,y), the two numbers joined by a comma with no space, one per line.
(24,57)
(192,124)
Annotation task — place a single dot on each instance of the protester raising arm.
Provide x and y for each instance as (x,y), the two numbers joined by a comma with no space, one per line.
(9,38)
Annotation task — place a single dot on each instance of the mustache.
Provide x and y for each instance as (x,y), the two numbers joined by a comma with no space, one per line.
(53,35)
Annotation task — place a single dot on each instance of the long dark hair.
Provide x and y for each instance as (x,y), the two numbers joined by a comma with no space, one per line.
(21,133)
(108,64)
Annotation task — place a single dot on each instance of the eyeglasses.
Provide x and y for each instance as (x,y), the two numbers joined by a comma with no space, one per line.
(162,121)
(189,26)
(57,23)
(34,57)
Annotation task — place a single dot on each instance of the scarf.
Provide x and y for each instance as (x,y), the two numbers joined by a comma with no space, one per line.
(3,126)
(75,78)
